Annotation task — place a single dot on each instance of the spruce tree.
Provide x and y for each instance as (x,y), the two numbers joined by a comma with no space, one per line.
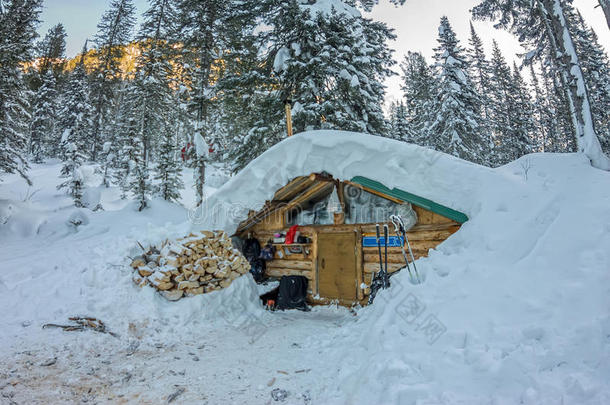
(479,73)
(399,124)
(114,32)
(75,117)
(152,94)
(169,173)
(70,170)
(419,90)
(596,70)
(332,64)
(523,116)
(204,29)
(455,127)
(51,51)
(139,183)
(18,20)
(43,131)
(544,26)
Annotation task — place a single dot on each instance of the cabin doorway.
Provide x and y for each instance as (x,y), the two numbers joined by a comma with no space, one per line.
(336,266)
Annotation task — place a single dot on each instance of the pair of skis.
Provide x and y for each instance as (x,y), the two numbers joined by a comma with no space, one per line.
(381,279)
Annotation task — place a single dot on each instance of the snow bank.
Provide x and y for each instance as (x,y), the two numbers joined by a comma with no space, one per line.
(427,173)
(515,307)
(59,261)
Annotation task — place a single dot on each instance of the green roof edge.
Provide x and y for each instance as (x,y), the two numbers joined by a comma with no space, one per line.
(412,198)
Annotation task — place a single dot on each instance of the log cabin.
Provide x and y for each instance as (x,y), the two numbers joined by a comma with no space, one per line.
(337,216)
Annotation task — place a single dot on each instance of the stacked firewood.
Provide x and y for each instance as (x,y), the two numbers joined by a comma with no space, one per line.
(197,264)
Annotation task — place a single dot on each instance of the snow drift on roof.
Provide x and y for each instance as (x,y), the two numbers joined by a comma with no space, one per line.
(434,175)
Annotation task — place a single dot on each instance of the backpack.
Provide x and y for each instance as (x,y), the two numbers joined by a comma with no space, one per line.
(292,293)
(252,252)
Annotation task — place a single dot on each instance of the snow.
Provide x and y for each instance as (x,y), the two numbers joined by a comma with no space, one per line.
(513,308)
(281,58)
(327,6)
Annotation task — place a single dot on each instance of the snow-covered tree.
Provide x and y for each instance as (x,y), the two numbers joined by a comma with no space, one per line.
(70,170)
(419,89)
(114,31)
(152,94)
(331,64)
(140,184)
(169,173)
(51,51)
(596,70)
(455,127)
(479,73)
(399,123)
(205,31)
(43,130)
(543,26)
(18,20)
(75,116)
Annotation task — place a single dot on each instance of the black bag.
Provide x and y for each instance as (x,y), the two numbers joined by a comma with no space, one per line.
(292,293)
(252,252)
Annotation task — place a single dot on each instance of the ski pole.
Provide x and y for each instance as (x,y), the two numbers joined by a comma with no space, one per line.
(412,256)
(398,232)
(386,281)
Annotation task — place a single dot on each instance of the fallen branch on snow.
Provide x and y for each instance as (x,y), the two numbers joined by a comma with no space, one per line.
(81,323)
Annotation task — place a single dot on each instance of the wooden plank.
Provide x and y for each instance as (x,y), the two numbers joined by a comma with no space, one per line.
(293,188)
(392,258)
(308,194)
(374,267)
(359,265)
(277,272)
(290,264)
(420,245)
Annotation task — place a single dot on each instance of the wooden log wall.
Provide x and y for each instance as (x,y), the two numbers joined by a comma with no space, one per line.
(431,230)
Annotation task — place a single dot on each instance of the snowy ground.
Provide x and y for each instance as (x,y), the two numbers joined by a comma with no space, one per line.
(515,308)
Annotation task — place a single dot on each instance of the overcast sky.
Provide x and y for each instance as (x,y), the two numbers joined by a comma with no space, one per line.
(415,24)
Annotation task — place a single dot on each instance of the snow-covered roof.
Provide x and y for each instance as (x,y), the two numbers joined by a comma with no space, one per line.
(436,176)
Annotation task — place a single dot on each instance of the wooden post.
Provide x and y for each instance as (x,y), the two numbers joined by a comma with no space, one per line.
(287,105)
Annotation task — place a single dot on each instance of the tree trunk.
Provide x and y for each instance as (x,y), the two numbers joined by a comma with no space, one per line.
(573,82)
(605,5)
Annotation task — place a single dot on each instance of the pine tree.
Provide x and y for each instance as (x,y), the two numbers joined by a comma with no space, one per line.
(399,124)
(419,89)
(204,29)
(152,95)
(596,70)
(44,117)
(74,183)
(543,25)
(52,51)
(541,112)
(501,104)
(76,115)
(168,169)
(456,127)
(114,31)
(480,72)
(522,116)
(332,65)
(18,20)
(140,179)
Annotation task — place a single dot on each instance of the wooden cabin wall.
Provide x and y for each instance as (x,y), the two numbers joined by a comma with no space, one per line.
(430,231)
(422,238)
